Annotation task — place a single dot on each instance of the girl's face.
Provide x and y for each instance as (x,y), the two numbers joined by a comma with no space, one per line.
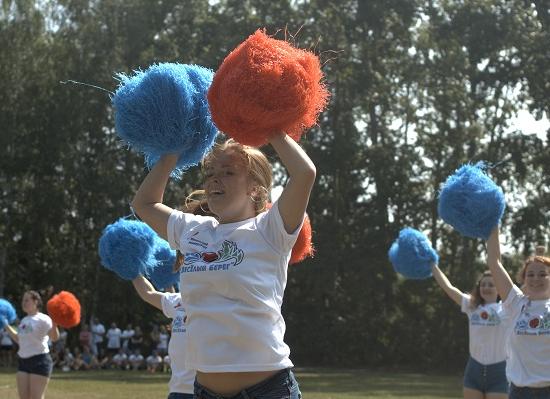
(228,188)
(487,289)
(537,280)
(29,304)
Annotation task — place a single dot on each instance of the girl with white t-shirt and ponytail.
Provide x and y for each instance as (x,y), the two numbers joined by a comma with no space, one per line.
(528,364)
(235,265)
(34,360)
(485,375)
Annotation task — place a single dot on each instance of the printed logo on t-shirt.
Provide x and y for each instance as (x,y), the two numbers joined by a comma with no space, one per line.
(25,328)
(178,325)
(485,317)
(227,256)
(195,241)
(533,324)
(178,322)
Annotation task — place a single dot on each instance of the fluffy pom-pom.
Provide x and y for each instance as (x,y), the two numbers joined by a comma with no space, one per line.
(7,312)
(265,86)
(164,110)
(162,275)
(471,202)
(126,247)
(303,247)
(412,255)
(64,309)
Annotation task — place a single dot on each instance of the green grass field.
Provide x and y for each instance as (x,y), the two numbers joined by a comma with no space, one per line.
(314,384)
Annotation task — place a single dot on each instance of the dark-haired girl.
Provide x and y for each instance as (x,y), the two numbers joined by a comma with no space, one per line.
(34,360)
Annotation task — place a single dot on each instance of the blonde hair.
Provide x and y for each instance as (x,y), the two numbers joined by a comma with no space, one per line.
(255,162)
(259,170)
(520,277)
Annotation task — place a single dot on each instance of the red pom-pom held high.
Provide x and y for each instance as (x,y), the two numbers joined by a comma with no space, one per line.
(266,86)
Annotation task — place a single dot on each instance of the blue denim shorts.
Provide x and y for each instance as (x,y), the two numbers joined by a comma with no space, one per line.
(39,364)
(282,385)
(490,378)
(179,395)
(529,393)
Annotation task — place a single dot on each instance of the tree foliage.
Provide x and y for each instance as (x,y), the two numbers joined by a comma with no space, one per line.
(418,88)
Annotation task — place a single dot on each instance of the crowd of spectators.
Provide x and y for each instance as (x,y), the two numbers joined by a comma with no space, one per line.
(96,347)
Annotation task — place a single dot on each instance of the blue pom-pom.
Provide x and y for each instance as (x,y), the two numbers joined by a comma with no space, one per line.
(7,311)
(471,202)
(412,254)
(162,275)
(164,110)
(126,247)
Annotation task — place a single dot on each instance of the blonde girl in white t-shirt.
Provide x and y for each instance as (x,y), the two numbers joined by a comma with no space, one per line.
(235,265)
(528,365)
(485,372)
(34,360)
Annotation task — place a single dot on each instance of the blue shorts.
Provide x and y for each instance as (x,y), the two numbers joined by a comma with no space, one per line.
(282,385)
(529,393)
(490,378)
(179,395)
(39,364)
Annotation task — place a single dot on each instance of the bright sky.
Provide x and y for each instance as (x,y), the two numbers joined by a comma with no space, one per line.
(527,124)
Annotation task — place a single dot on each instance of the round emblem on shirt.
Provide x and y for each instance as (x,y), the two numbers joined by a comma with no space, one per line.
(534,323)
(484,315)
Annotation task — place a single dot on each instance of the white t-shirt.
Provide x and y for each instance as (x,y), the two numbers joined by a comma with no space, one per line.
(232,284)
(33,337)
(182,380)
(136,358)
(529,342)
(126,335)
(98,330)
(163,341)
(113,338)
(153,360)
(488,331)
(120,358)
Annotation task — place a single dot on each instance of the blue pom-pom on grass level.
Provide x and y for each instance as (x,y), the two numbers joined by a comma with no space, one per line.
(164,110)
(471,202)
(126,247)
(162,275)
(7,312)
(412,255)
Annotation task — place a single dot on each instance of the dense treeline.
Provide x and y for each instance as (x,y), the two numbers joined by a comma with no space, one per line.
(418,88)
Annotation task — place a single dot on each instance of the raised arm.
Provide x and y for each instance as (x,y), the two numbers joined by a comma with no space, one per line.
(502,279)
(147,292)
(12,332)
(452,292)
(295,196)
(147,202)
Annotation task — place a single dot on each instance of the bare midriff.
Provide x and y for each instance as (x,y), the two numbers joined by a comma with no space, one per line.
(229,384)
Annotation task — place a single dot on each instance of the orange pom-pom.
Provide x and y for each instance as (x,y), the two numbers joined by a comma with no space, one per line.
(266,86)
(64,309)
(303,247)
